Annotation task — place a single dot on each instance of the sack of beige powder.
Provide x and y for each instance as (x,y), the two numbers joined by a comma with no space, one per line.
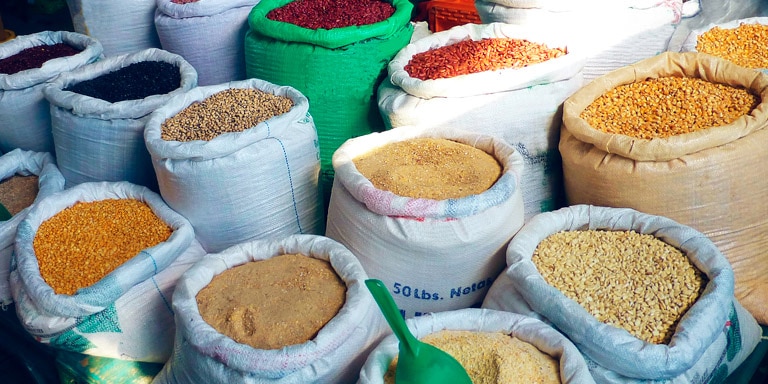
(678,321)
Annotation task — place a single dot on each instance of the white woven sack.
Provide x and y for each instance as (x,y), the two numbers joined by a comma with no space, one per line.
(121,26)
(97,140)
(525,291)
(433,255)
(689,44)
(335,355)
(208,34)
(50,181)
(25,117)
(573,368)
(242,186)
(126,314)
(527,113)
(610,35)
(557,69)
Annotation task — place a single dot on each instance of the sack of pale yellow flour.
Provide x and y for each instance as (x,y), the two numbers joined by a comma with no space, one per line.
(706,178)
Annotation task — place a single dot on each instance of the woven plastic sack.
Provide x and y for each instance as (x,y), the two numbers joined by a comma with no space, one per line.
(682,177)
(573,368)
(97,140)
(611,34)
(689,45)
(433,255)
(121,26)
(522,106)
(335,355)
(208,34)
(703,339)
(125,315)
(254,184)
(25,117)
(50,181)
(338,70)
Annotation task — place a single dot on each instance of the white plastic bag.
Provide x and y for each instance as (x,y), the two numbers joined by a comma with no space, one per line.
(121,26)
(258,183)
(25,116)
(126,314)
(335,355)
(97,140)
(433,255)
(208,34)
(701,339)
(573,368)
(50,181)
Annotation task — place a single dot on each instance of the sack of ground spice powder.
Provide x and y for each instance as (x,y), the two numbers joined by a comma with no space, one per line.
(334,354)
(643,297)
(611,34)
(26,177)
(27,63)
(337,65)
(94,269)
(98,113)
(697,167)
(208,34)
(741,41)
(496,365)
(239,160)
(513,97)
(433,253)
(121,26)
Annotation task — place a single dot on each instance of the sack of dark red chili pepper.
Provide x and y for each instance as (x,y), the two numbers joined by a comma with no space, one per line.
(333,52)
(27,63)
(98,114)
(208,34)
(121,26)
(239,160)
(497,79)
(27,177)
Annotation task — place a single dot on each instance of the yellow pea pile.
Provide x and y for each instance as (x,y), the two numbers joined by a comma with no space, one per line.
(745,45)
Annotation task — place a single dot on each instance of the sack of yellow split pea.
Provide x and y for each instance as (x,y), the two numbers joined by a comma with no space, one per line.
(743,41)
(94,269)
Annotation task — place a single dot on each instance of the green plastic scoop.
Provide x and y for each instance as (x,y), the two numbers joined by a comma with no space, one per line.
(418,362)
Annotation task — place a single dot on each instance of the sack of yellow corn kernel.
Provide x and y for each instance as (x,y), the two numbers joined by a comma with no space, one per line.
(434,253)
(692,159)
(208,34)
(207,351)
(94,269)
(485,355)
(520,103)
(610,33)
(743,41)
(18,197)
(25,116)
(643,297)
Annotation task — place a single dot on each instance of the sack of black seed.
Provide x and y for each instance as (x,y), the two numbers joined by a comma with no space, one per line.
(98,113)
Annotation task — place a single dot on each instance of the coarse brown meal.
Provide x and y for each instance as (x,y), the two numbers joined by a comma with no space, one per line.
(744,45)
(81,244)
(273,303)
(18,192)
(668,106)
(631,280)
(429,168)
(493,358)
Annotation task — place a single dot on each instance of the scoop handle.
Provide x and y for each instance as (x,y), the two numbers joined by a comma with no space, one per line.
(408,343)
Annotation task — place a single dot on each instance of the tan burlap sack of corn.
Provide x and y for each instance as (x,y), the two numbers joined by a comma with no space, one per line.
(713,180)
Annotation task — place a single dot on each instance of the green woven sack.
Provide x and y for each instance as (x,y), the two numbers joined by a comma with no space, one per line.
(339,70)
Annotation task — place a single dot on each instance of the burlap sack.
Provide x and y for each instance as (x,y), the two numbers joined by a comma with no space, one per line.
(706,179)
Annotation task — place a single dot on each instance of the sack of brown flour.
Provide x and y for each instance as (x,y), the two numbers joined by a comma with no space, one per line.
(713,336)
(572,367)
(334,355)
(432,254)
(706,179)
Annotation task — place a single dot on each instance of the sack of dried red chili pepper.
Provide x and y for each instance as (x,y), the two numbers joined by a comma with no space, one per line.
(337,65)
(498,79)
